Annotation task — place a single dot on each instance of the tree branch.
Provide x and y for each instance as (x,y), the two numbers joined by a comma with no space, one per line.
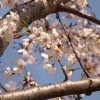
(63,8)
(54,90)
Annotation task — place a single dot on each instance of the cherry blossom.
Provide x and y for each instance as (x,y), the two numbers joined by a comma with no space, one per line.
(55,52)
(26,0)
(36,34)
(54,36)
(25,42)
(8,72)
(45,38)
(82,3)
(1,5)
(11,3)
(59,98)
(13,16)
(12,26)
(51,68)
(11,85)
(8,35)
(24,53)
(20,65)
(31,60)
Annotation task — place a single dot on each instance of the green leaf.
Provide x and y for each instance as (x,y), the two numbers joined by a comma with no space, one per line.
(25,24)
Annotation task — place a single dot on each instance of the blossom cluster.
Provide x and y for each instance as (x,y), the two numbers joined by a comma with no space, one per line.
(81,3)
(13,3)
(10,26)
(20,65)
(56,45)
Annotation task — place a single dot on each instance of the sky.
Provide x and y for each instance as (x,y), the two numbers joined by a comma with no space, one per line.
(40,74)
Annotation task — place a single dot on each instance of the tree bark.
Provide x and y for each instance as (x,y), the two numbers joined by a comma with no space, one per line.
(54,90)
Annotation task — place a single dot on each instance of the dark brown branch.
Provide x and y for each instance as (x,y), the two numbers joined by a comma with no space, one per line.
(62,67)
(91,10)
(4,88)
(78,13)
(54,90)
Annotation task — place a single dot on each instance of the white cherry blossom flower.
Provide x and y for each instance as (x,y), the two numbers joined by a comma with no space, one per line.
(79,25)
(51,68)
(20,65)
(46,59)
(44,39)
(58,98)
(31,59)
(11,3)
(71,60)
(72,4)
(70,73)
(94,29)
(55,52)
(36,34)
(8,72)
(13,16)
(12,85)
(66,68)
(76,41)
(1,5)
(54,36)
(32,82)
(24,53)
(20,62)
(98,44)
(25,42)
(26,1)
(44,55)
(86,31)
(97,69)
(12,26)
(91,38)
(82,3)
(8,35)
(37,30)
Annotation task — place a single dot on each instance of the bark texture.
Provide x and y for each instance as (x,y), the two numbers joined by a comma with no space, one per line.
(54,90)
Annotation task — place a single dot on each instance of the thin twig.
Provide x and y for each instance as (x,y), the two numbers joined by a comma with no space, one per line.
(78,97)
(3,88)
(85,71)
(25,71)
(91,10)
(66,77)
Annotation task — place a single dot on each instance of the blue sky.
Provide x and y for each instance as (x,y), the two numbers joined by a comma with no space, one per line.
(39,73)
